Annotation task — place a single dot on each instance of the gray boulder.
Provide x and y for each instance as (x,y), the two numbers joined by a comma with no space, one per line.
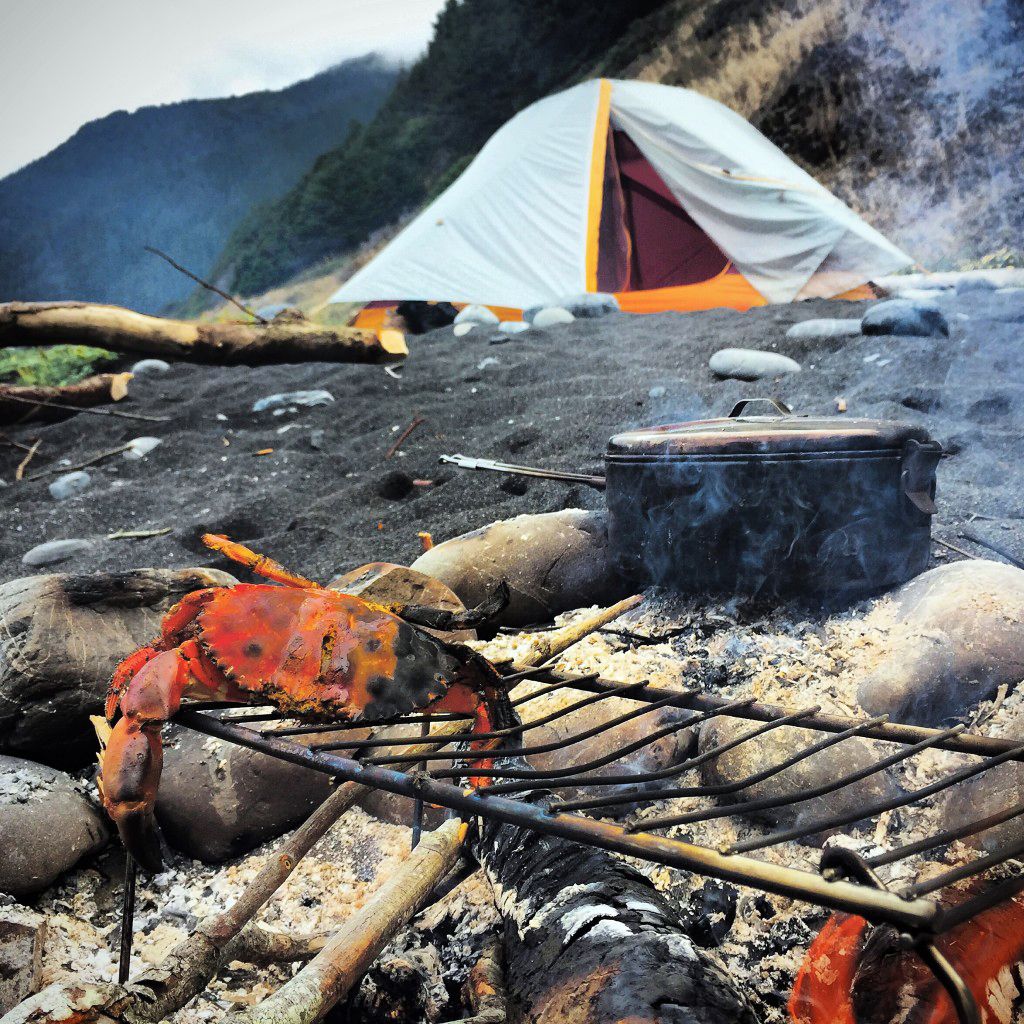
(150,368)
(824,329)
(901,316)
(958,635)
(218,800)
(819,769)
(48,823)
(749,364)
(61,636)
(52,552)
(68,485)
(552,562)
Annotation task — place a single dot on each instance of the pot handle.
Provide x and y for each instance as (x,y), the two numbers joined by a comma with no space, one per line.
(780,407)
(918,475)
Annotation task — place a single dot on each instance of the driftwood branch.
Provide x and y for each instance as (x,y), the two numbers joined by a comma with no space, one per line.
(331,974)
(19,402)
(123,330)
(206,284)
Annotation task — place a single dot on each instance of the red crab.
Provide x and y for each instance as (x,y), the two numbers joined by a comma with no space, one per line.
(311,652)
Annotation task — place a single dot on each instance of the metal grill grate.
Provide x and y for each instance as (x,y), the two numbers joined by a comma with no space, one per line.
(845,881)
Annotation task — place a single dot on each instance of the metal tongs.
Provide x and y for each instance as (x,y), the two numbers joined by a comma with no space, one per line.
(465,462)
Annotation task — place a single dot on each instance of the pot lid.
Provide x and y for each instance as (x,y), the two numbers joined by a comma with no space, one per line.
(744,433)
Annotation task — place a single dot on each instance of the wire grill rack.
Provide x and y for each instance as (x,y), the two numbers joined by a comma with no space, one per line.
(845,881)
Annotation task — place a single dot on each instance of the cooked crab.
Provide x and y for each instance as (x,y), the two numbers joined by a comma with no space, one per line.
(312,652)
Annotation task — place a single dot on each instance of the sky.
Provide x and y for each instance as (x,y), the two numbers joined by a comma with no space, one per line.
(66,62)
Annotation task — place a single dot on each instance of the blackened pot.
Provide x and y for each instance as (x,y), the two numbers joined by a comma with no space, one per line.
(772,505)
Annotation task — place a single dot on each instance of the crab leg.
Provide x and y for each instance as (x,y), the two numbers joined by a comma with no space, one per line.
(133,760)
(261,564)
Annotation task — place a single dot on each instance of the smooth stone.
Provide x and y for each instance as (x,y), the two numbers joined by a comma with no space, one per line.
(590,305)
(475,314)
(460,330)
(141,447)
(552,562)
(287,398)
(905,317)
(824,329)
(61,636)
(773,747)
(657,392)
(551,316)
(150,368)
(53,551)
(68,485)
(218,800)
(48,823)
(513,326)
(749,364)
(488,361)
(958,635)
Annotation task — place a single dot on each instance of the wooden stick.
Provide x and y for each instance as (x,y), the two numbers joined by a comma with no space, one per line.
(550,645)
(123,330)
(309,995)
(6,396)
(79,465)
(486,986)
(100,389)
(19,473)
(417,420)
(206,284)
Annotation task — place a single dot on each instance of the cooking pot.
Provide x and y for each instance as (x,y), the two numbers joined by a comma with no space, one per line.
(768,503)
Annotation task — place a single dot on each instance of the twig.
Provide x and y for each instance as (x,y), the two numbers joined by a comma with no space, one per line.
(79,465)
(553,644)
(138,534)
(993,546)
(417,420)
(13,443)
(19,473)
(953,547)
(206,284)
(80,408)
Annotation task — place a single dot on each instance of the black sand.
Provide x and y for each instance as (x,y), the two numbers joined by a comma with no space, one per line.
(553,399)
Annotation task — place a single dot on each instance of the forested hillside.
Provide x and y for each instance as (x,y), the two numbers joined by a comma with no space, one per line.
(905,108)
(179,177)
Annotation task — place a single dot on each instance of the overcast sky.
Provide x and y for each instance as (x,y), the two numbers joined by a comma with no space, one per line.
(65,62)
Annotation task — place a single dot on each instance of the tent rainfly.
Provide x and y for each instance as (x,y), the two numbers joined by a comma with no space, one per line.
(657,194)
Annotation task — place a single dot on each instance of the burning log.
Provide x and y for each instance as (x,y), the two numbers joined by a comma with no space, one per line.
(589,940)
(124,330)
(21,403)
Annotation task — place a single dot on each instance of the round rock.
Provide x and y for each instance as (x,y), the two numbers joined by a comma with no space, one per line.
(901,316)
(958,635)
(48,823)
(749,364)
(68,485)
(474,314)
(551,316)
(590,305)
(150,368)
(462,329)
(513,326)
(552,562)
(54,551)
(824,329)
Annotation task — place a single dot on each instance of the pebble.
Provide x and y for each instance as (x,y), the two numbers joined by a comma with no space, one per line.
(903,317)
(463,328)
(140,447)
(657,392)
(513,326)
(286,398)
(54,551)
(475,314)
(488,361)
(550,316)
(824,329)
(587,305)
(749,364)
(150,367)
(68,485)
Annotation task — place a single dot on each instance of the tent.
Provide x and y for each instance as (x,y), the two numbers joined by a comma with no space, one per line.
(657,194)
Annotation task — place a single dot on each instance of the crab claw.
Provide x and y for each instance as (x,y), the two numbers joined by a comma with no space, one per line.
(130,773)
(130,776)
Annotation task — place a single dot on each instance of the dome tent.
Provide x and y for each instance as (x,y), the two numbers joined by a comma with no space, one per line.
(657,194)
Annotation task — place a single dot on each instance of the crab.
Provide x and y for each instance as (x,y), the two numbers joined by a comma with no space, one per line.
(314,653)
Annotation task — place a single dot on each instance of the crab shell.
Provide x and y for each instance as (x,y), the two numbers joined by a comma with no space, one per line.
(320,653)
